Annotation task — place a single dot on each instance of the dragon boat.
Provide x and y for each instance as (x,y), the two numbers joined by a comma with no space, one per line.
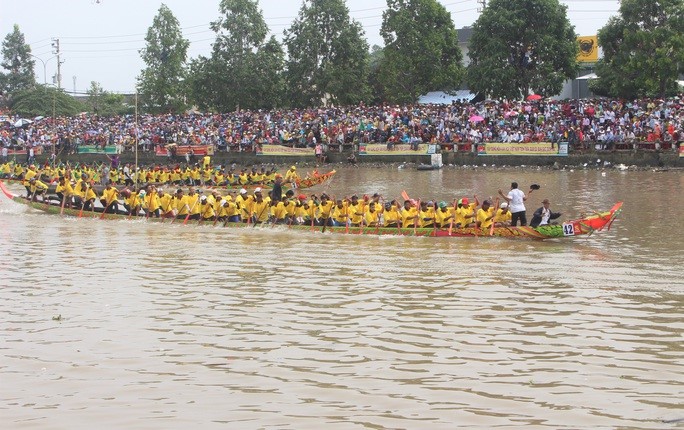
(586,225)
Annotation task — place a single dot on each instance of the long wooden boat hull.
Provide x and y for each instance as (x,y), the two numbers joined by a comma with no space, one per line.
(579,227)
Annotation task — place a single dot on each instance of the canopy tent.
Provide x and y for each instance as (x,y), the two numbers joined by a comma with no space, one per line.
(444,98)
(587,77)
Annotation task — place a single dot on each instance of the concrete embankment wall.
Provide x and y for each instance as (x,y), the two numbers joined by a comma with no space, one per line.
(628,158)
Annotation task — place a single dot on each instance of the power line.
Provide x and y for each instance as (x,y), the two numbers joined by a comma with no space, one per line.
(94,40)
(126,49)
(106,40)
(116,36)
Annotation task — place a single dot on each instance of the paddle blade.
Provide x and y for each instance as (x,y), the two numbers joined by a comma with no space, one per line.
(535,187)
(404,195)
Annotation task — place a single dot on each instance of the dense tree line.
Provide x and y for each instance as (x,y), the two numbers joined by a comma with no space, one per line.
(516,48)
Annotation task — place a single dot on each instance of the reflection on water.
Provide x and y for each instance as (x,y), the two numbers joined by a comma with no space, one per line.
(180,325)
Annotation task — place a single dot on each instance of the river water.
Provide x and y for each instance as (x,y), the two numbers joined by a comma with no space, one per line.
(127,324)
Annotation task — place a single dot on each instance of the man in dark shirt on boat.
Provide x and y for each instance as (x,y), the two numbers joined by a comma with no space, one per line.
(277,190)
(543,215)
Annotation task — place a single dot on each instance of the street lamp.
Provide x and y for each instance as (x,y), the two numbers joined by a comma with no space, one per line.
(44,66)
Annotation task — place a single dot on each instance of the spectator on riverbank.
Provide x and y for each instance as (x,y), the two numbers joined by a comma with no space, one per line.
(583,123)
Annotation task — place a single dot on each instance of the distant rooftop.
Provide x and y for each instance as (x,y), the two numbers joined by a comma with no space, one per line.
(464,34)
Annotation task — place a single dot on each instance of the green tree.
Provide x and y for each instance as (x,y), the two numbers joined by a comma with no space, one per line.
(160,84)
(103,102)
(45,100)
(643,49)
(327,56)
(244,64)
(16,59)
(522,46)
(421,51)
(375,60)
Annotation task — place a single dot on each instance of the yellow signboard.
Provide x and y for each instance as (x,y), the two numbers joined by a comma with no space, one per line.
(541,148)
(588,52)
(384,149)
(283,150)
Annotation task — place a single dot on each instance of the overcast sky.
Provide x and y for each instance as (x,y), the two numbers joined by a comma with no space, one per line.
(100,39)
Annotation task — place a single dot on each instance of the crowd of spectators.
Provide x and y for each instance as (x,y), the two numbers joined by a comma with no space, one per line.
(595,123)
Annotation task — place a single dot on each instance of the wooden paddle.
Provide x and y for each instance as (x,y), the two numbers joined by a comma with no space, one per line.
(216,215)
(325,220)
(363,214)
(434,219)
(256,220)
(496,208)
(417,218)
(64,197)
(377,223)
(134,209)
(453,217)
(149,205)
(346,219)
(190,211)
(106,209)
(83,202)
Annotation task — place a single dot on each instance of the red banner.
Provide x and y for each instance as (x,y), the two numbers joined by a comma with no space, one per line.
(37,150)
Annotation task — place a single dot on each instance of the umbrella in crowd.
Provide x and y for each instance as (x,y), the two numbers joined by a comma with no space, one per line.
(476,118)
(22,122)
(534,97)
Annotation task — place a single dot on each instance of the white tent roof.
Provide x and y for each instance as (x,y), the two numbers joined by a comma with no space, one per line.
(441,97)
(587,77)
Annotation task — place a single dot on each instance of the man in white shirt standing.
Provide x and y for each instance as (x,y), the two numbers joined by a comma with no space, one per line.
(516,204)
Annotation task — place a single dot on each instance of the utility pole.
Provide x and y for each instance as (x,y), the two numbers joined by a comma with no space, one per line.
(74,78)
(55,45)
